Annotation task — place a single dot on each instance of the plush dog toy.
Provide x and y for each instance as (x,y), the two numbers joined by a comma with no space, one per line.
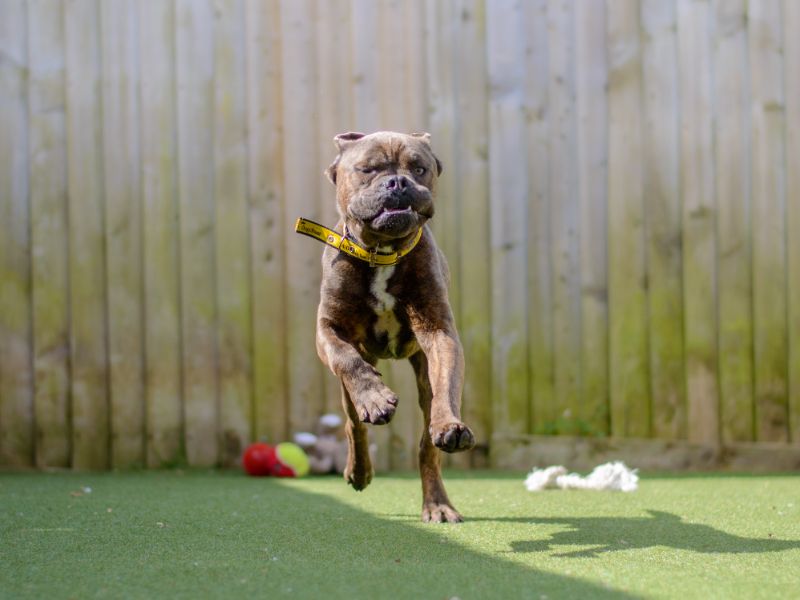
(326,450)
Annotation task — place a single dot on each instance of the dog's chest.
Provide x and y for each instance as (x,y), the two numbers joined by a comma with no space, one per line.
(387,327)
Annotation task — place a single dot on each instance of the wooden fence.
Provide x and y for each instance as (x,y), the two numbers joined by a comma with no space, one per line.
(620,207)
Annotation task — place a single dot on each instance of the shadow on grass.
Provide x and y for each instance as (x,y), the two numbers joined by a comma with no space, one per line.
(209,535)
(612,534)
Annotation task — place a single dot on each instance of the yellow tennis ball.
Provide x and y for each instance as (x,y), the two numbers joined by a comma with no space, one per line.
(292,460)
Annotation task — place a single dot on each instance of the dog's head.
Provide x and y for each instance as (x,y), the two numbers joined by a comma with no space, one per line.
(384,183)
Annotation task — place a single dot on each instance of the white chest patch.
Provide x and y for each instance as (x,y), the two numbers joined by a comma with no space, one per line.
(383,305)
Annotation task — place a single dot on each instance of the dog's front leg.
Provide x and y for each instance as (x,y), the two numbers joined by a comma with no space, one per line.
(445,359)
(372,400)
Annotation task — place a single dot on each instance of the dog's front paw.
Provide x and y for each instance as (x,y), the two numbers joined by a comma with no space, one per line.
(376,404)
(452,437)
(440,512)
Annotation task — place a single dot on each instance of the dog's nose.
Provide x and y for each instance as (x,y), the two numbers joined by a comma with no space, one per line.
(396,183)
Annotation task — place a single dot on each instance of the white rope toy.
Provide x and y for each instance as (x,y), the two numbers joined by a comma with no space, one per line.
(609,476)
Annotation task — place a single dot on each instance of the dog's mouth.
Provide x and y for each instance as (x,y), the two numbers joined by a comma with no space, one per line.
(394,221)
(395,211)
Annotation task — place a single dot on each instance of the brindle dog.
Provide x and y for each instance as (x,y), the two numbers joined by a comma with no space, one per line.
(385,185)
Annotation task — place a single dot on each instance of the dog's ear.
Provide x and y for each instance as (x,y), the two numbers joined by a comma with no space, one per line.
(423,135)
(342,141)
(426,137)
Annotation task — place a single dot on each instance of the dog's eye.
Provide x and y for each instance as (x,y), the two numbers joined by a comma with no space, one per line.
(367,170)
(419,171)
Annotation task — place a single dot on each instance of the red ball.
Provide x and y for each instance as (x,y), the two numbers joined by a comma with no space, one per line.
(259,459)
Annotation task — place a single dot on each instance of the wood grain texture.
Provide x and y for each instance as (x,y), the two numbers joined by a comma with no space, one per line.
(629,373)
(564,214)
(163,393)
(591,82)
(267,221)
(543,414)
(305,385)
(47,171)
(661,181)
(734,257)
(232,231)
(699,218)
(119,46)
(768,220)
(506,43)
(194,55)
(16,369)
(791,69)
(88,306)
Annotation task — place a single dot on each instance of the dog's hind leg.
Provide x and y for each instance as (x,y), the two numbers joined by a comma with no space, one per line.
(436,506)
(358,471)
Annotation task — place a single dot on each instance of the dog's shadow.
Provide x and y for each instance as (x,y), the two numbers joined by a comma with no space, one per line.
(612,534)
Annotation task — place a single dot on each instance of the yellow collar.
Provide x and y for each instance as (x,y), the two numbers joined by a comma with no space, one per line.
(343,244)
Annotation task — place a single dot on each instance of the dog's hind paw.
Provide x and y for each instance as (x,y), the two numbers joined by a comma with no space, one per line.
(438,512)
(452,437)
(359,479)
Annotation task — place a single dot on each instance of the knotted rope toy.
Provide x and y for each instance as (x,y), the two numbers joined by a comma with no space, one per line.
(608,476)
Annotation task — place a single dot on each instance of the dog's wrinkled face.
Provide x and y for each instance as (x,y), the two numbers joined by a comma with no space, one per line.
(384,183)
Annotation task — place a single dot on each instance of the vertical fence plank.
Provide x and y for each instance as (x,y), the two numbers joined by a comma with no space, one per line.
(471,165)
(791,69)
(232,232)
(698,218)
(160,234)
(48,189)
(663,218)
(591,80)
(16,377)
(592,135)
(267,222)
(509,199)
(88,308)
(626,245)
(768,220)
(302,189)
(194,66)
(543,416)
(731,145)
(564,215)
(122,172)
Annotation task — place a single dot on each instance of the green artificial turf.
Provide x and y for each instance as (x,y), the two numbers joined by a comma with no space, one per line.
(212,534)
